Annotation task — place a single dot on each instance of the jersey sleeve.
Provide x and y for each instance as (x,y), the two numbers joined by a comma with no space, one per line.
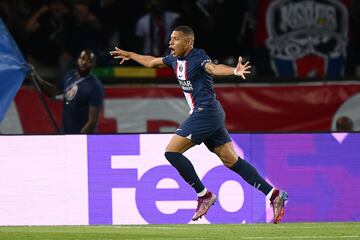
(204,59)
(168,60)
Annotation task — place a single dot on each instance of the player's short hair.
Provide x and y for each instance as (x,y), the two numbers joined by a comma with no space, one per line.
(89,52)
(186,30)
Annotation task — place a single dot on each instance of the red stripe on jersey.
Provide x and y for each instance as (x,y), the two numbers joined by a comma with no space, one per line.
(192,101)
(177,67)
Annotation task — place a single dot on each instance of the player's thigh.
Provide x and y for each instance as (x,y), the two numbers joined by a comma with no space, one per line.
(179,144)
(217,138)
(226,153)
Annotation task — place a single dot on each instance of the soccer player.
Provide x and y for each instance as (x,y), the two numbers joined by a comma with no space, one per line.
(206,123)
(83,95)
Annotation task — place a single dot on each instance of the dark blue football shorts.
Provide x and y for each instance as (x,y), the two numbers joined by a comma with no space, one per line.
(206,125)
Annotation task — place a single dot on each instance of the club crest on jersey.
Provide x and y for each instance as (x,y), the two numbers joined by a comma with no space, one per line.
(181,70)
(71,92)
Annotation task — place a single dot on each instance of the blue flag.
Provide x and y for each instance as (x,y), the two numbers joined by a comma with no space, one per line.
(13,69)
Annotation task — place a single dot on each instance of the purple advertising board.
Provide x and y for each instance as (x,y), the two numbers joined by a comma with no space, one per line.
(125,179)
(321,173)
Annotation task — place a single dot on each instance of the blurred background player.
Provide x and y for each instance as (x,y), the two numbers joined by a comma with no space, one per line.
(83,95)
(206,123)
(344,124)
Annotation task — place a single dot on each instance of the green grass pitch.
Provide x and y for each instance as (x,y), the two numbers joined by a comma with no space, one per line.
(338,230)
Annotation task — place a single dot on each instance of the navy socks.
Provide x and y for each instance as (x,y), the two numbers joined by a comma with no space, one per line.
(251,175)
(185,169)
(241,167)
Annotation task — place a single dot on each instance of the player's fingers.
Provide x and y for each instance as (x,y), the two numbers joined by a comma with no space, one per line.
(247,63)
(123,60)
(240,59)
(114,52)
(247,67)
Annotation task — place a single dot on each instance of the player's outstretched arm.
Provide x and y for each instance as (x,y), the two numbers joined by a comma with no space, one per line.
(145,60)
(224,70)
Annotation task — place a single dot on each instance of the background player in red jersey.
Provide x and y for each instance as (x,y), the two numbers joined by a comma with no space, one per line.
(206,123)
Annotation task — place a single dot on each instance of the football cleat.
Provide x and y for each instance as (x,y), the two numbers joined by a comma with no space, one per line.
(278,204)
(204,203)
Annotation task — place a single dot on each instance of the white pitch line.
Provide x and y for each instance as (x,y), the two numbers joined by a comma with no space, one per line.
(305,237)
(150,227)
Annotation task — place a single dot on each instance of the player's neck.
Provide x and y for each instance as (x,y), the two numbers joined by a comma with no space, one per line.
(187,52)
(84,74)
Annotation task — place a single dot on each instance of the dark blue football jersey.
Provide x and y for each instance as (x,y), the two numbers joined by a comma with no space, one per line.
(196,83)
(79,94)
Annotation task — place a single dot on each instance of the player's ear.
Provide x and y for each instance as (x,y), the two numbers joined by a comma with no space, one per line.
(190,42)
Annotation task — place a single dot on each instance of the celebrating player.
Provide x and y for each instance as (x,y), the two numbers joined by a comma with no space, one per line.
(206,123)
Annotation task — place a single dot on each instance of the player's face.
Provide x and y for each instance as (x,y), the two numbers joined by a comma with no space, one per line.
(85,62)
(180,44)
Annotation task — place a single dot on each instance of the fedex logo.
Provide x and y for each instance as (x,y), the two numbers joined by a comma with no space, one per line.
(130,182)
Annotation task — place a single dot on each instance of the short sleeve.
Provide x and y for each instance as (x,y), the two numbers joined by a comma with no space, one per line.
(168,60)
(204,59)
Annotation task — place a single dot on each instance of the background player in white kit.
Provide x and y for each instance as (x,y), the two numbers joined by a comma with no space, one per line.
(206,123)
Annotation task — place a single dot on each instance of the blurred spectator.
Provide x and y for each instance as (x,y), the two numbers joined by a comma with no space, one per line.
(247,17)
(109,17)
(45,28)
(201,22)
(14,14)
(117,29)
(344,124)
(83,95)
(83,32)
(154,28)
(209,19)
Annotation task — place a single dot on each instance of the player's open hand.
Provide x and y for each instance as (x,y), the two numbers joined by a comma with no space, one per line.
(242,69)
(120,54)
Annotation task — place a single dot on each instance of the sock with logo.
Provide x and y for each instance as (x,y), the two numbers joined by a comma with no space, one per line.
(185,169)
(251,175)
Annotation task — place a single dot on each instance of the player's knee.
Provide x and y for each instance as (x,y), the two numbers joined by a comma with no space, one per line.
(172,156)
(228,163)
(228,160)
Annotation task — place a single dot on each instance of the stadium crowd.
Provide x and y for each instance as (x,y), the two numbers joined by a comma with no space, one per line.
(52,33)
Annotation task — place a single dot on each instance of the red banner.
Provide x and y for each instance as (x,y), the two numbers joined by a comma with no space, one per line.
(284,108)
